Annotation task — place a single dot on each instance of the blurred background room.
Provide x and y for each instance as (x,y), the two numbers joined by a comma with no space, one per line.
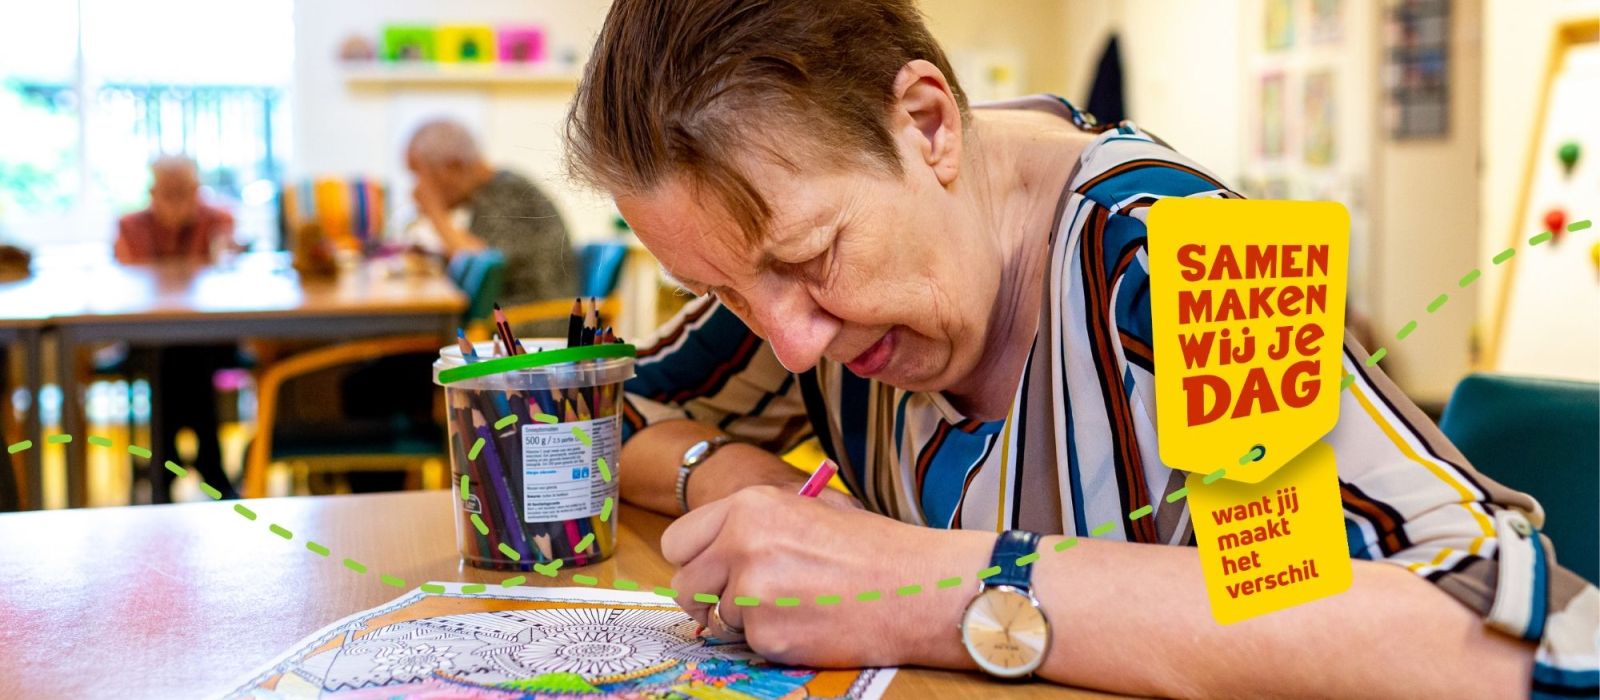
(316,248)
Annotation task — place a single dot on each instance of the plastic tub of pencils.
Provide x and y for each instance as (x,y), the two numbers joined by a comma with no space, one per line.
(535,437)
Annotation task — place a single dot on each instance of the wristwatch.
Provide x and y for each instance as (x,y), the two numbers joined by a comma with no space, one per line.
(693,457)
(1003,627)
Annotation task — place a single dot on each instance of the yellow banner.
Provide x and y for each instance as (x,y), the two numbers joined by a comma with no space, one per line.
(1247,299)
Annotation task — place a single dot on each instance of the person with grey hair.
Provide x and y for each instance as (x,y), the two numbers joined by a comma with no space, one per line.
(177,226)
(508,213)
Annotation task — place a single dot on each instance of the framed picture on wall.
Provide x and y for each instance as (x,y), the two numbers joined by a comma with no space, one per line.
(1278,25)
(1271,133)
(1320,119)
(1326,24)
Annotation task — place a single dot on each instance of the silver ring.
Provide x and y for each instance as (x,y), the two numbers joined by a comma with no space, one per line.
(716,616)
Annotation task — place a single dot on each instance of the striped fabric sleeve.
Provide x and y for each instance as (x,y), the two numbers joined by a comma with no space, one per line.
(706,365)
(1412,500)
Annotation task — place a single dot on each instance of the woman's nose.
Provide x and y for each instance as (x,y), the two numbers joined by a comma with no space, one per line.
(797,328)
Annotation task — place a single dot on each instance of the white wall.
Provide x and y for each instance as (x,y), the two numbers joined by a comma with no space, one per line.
(339,130)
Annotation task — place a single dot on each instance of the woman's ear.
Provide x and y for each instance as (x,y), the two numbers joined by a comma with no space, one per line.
(926,120)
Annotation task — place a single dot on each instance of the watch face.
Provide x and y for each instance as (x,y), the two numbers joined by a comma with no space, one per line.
(1005,632)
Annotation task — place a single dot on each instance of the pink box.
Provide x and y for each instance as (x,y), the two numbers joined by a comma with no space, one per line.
(521,44)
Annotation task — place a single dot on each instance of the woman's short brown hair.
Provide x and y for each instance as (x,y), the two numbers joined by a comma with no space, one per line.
(692,87)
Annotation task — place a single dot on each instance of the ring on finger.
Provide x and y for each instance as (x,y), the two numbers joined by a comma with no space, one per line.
(716,616)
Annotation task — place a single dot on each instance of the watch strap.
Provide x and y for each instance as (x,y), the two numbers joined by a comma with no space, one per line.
(687,466)
(1013,545)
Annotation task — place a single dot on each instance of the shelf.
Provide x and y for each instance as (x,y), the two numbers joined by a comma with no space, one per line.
(446,75)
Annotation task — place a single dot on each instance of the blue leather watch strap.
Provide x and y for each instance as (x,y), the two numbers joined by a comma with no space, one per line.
(1012,545)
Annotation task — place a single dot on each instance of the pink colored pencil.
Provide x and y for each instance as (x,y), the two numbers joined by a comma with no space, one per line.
(819,479)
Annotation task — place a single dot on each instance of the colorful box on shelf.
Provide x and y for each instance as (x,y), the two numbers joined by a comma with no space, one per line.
(521,44)
(465,43)
(408,43)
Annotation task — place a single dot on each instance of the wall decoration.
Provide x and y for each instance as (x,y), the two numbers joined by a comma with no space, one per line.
(1326,24)
(1321,120)
(408,43)
(1279,25)
(1272,128)
(521,44)
(1417,69)
(464,43)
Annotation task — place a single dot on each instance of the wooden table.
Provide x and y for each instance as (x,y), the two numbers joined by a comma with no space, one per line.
(256,296)
(177,601)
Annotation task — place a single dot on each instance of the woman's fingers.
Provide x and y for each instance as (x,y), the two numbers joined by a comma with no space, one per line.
(691,534)
(706,574)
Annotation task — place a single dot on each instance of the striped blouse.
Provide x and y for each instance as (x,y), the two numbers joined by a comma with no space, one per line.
(1078,447)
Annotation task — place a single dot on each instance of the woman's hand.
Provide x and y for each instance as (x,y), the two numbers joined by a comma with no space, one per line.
(768,543)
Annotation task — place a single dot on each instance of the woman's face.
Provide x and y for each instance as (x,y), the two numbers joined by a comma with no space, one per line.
(891,275)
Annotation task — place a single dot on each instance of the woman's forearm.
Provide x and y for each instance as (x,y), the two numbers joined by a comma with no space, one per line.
(1135,618)
(651,458)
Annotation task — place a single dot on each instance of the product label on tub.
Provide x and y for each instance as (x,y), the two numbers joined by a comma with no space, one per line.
(560,479)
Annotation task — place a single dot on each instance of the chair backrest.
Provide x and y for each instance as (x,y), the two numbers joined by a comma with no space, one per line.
(600,267)
(1541,437)
(480,275)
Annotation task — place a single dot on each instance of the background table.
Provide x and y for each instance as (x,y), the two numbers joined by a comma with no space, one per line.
(177,601)
(254,296)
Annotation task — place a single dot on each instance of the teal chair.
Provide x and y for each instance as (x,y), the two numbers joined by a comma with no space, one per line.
(1541,437)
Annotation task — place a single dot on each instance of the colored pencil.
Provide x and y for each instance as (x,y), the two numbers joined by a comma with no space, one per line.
(497,478)
(575,324)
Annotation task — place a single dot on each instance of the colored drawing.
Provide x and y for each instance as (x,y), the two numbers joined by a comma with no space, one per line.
(1320,122)
(535,643)
(1279,24)
(408,43)
(465,43)
(520,44)
(1271,144)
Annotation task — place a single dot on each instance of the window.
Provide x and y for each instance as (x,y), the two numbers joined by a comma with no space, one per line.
(92,91)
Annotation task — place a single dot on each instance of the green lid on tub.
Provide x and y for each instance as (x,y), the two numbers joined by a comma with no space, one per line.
(484,368)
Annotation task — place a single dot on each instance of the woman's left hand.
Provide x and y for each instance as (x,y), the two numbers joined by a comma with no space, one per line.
(765,543)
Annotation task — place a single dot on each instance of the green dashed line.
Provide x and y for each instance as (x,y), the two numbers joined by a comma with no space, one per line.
(465,494)
(706,598)
(787,602)
(1468,279)
(1213,476)
(16,447)
(746,601)
(549,569)
(986,573)
(605,509)
(1347,381)
(395,581)
(1141,512)
(317,548)
(1504,255)
(1405,330)
(545,418)
(280,531)
(868,596)
(1536,240)
(605,471)
(473,588)
(583,437)
(355,566)
(139,452)
(1027,559)
(623,584)
(828,600)
(583,544)
(178,471)
(509,552)
(665,592)
(478,524)
(211,491)
(503,422)
(911,590)
(1377,356)
(1102,528)
(1066,544)
(432,588)
(1578,225)
(585,579)
(1254,454)
(1176,495)
(514,581)
(58,439)
(246,512)
(477,446)
(1438,301)
(951,582)
(100,440)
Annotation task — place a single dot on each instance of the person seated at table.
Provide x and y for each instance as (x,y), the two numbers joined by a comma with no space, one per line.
(507,212)
(957,299)
(179,227)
